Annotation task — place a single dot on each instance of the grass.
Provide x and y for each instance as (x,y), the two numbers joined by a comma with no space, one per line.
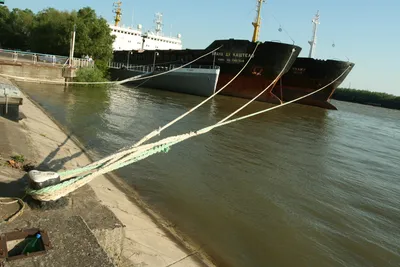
(18,158)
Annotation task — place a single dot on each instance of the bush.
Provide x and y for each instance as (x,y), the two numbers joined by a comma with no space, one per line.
(89,75)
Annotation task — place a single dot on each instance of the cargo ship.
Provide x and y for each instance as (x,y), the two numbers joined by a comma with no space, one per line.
(308,74)
(268,61)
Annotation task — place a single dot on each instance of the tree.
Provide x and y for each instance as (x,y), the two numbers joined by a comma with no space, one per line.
(93,37)
(15,27)
(51,32)
(52,29)
(4,31)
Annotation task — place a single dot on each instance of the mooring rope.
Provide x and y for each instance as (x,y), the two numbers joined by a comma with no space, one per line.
(12,200)
(56,191)
(207,129)
(158,131)
(136,78)
(173,140)
(122,155)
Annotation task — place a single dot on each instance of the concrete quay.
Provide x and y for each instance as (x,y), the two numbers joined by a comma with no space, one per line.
(103,223)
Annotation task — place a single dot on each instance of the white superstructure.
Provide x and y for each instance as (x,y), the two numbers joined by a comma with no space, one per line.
(127,38)
(135,39)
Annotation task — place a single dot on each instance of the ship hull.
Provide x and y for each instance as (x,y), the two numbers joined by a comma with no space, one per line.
(272,59)
(199,82)
(308,75)
(269,60)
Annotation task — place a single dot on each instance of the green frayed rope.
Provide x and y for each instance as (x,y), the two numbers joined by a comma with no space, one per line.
(154,150)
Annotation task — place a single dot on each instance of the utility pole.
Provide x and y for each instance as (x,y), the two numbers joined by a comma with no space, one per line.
(214,59)
(71,52)
(154,61)
(127,60)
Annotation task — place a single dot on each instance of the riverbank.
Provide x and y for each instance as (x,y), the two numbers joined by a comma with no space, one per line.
(100,224)
(367,98)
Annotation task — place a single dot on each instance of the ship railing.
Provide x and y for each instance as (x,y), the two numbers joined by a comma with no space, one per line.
(150,68)
(119,65)
(28,57)
(195,66)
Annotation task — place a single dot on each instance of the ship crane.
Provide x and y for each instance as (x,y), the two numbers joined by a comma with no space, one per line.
(117,12)
(313,42)
(257,21)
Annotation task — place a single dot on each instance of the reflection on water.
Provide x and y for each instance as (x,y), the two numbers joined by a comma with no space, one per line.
(299,186)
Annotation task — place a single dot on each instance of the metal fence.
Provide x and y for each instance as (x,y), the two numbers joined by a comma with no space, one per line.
(43,59)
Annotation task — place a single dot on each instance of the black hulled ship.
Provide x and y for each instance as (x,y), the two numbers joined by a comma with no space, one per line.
(268,61)
(309,74)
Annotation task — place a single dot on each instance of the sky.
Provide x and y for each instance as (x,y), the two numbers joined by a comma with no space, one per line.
(366,32)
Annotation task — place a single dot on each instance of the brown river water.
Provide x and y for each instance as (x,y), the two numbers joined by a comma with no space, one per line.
(298,186)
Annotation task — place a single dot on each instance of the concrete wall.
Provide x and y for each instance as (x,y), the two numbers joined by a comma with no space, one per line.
(32,71)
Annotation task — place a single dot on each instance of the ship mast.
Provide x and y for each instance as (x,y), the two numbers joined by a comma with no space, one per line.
(313,42)
(257,21)
(117,12)
(159,24)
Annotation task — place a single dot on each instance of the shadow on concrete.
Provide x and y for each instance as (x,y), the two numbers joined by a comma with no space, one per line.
(11,113)
(14,182)
(50,163)
(14,188)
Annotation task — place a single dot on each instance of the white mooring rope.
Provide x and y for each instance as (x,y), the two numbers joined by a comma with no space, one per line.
(158,131)
(143,151)
(140,151)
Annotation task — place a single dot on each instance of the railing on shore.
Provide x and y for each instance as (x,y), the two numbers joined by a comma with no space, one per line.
(43,59)
(151,68)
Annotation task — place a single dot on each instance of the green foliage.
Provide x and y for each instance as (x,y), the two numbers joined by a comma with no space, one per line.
(93,35)
(15,27)
(89,75)
(49,32)
(367,97)
(18,158)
